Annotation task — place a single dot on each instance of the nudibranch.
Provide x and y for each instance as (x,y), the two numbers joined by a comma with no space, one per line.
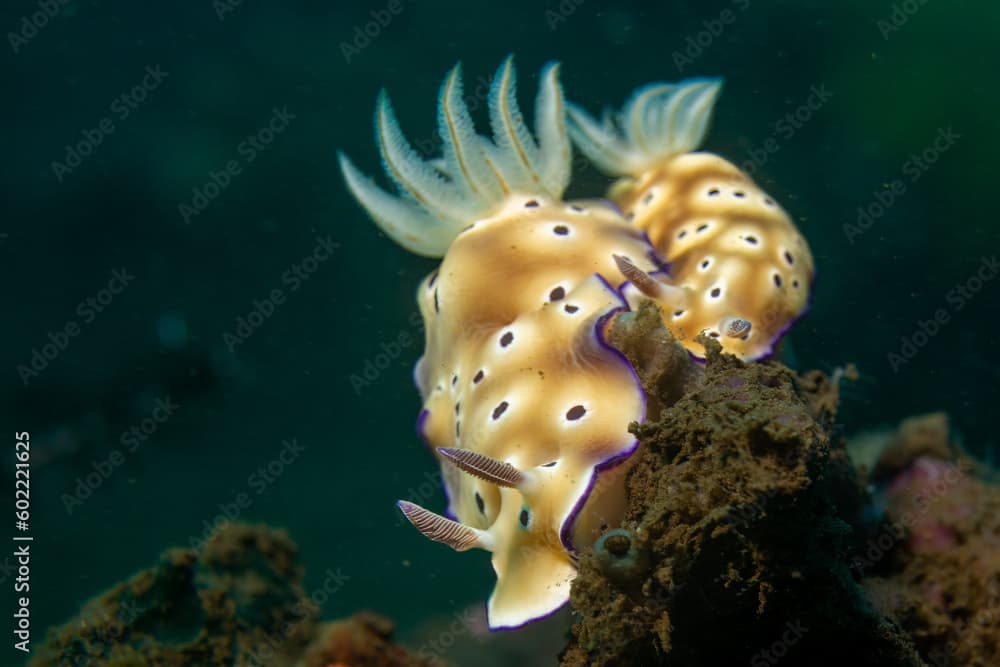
(740,271)
(524,403)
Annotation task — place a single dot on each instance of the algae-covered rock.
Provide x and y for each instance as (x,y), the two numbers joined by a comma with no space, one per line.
(734,546)
(664,365)
(362,640)
(923,435)
(935,559)
(237,601)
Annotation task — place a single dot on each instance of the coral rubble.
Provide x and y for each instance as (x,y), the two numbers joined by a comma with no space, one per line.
(935,559)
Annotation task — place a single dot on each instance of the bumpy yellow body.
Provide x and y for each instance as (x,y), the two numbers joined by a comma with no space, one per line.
(742,270)
(515,369)
(731,248)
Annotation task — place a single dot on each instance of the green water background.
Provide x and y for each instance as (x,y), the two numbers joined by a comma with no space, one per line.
(894,89)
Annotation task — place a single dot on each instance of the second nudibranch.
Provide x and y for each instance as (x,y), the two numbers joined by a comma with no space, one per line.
(739,269)
(525,404)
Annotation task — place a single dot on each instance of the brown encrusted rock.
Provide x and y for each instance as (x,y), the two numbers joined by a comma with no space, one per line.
(663,365)
(236,598)
(363,639)
(237,601)
(923,435)
(733,547)
(822,392)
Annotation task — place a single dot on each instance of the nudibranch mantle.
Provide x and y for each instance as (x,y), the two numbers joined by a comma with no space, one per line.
(546,396)
(525,404)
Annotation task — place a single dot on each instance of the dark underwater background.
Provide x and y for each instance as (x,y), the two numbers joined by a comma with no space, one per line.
(902,126)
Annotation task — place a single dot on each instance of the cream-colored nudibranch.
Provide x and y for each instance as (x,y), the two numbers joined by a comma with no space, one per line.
(743,271)
(525,404)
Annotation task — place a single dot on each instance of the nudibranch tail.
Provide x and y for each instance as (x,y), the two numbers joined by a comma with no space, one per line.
(440,197)
(535,583)
(659,121)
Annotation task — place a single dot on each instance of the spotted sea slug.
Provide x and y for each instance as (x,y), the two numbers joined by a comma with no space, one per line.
(739,269)
(524,403)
